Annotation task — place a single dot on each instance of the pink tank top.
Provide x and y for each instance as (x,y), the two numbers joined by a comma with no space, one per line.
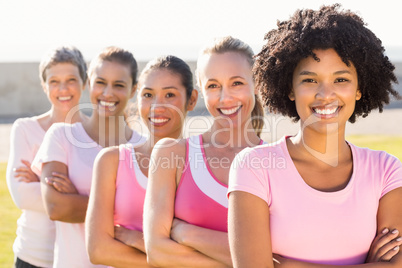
(131,185)
(200,197)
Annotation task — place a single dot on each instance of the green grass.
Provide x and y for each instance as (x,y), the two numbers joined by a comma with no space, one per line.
(390,144)
(9,213)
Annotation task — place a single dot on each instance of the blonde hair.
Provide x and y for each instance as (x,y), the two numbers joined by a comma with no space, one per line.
(231,44)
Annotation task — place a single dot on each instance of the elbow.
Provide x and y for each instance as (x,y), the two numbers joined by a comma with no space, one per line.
(155,257)
(54,217)
(53,213)
(154,261)
(97,247)
(95,255)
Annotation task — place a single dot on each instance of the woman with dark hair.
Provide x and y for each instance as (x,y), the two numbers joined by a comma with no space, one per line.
(65,159)
(326,199)
(114,216)
(185,211)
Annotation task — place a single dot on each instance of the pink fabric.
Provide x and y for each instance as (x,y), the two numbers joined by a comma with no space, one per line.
(130,194)
(71,145)
(310,225)
(192,204)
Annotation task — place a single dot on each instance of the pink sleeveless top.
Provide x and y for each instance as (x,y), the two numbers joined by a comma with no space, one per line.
(131,185)
(200,197)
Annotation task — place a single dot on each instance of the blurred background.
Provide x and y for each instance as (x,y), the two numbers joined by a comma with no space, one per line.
(28,29)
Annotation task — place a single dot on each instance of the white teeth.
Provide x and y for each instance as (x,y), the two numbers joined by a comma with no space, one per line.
(108,104)
(64,98)
(326,111)
(229,111)
(158,120)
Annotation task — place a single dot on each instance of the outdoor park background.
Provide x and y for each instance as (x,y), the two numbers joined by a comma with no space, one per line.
(155,27)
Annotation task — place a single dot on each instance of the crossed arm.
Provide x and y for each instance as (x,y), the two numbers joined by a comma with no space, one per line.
(211,243)
(61,206)
(249,234)
(22,182)
(108,244)
(162,250)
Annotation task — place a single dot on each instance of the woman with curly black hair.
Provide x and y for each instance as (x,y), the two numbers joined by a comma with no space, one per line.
(314,199)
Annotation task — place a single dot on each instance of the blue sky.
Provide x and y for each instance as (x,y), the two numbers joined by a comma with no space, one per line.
(152,27)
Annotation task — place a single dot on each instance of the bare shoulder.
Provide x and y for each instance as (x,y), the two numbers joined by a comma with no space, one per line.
(108,155)
(169,146)
(169,155)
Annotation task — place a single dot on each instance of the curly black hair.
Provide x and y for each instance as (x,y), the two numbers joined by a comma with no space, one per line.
(328,27)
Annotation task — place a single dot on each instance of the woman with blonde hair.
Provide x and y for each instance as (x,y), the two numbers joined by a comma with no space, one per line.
(185,211)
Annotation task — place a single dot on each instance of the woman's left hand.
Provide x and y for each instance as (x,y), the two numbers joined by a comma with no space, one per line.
(24,173)
(178,230)
(384,246)
(61,183)
(131,238)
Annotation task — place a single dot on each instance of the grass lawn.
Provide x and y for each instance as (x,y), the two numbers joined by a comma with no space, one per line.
(390,144)
(9,213)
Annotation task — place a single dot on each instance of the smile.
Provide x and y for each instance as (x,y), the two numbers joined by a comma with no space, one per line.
(326,111)
(158,120)
(107,103)
(64,98)
(230,111)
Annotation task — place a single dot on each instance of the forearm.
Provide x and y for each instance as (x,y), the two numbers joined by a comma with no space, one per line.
(132,238)
(212,243)
(287,263)
(26,195)
(108,251)
(64,207)
(164,252)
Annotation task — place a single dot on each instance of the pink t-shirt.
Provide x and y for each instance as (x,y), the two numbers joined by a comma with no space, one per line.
(71,145)
(310,225)
(131,185)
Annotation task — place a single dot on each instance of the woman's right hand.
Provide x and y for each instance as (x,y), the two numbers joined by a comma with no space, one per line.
(384,246)
(131,238)
(122,234)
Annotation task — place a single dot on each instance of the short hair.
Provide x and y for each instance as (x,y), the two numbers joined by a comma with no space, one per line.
(174,65)
(119,55)
(329,27)
(64,54)
(230,44)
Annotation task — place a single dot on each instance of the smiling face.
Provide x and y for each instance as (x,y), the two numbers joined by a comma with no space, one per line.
(63,86)
(111,87)
(227,84)
(324,91)
(162,102)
